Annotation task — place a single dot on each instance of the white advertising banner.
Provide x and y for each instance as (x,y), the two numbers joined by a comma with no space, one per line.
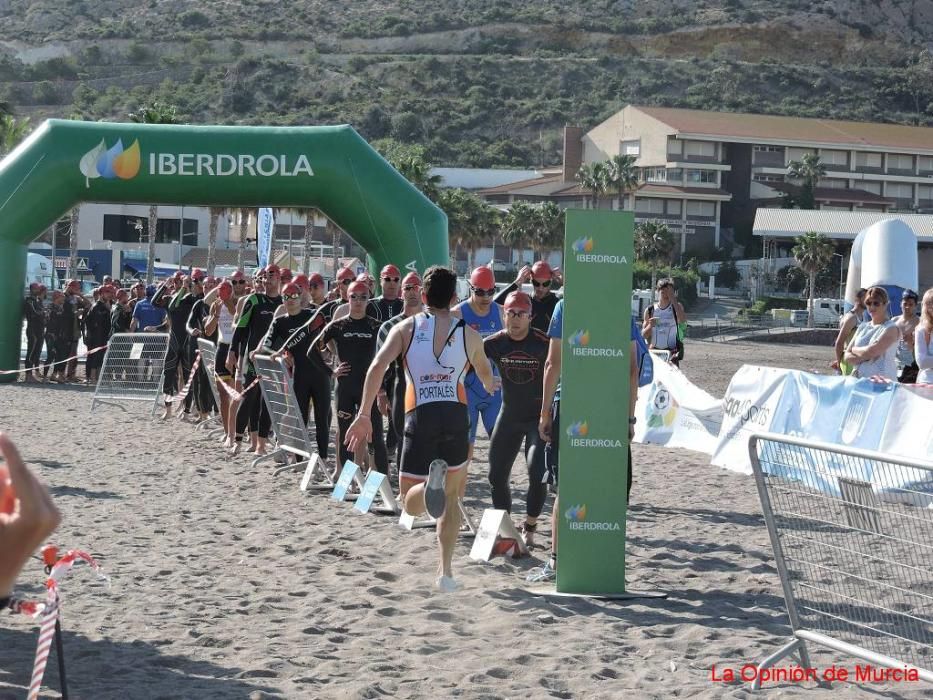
(749,407)
(675,412)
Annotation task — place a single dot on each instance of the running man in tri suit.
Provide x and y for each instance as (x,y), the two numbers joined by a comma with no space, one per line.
(484,316)
(542,279)
(392,393)
(352,340)
(437,350)
(251,328)
(519,352)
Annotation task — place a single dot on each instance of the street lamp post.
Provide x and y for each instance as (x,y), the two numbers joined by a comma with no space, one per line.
(841,261)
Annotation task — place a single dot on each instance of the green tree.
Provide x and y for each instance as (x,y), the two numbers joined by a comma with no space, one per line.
(411,162)
(12,131)
(812,251)
(470,220)
(809,170)
(549,233)
(518,227)
(654,244)
(622,174)
(155,113)
(593,177)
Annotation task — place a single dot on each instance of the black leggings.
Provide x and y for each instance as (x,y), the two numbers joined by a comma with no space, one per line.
(252,411)
(178,354)
(504,446)
(313,386)
(348,404)
(34,338)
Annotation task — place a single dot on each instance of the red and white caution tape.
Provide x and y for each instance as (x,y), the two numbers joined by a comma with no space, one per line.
(237,395)
(52,612)
(184,392)
(67,359)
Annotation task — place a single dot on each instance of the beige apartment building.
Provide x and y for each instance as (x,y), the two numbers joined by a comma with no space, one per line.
(706,173)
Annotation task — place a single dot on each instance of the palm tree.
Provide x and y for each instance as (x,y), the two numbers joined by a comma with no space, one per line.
(550,232)
(518,226)
(470,220)
(244,214)
(813,252)
(309,215)
(411,162)
(592,177)
(73,244)
(155,113)
(810,170)
(654,244)
(12,131)
(215,214)
(622,174)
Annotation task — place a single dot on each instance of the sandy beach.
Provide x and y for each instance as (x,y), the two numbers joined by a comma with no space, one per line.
(227,583)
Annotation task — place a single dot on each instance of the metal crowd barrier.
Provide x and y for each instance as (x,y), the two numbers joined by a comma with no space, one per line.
(133,367)
(292,436)
(852,535)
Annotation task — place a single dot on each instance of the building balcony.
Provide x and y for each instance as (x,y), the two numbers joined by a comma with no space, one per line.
(649,216)
(900,171)
(768,160)
(925,203)
(837,167)
(701,219)
(712,160)
(869,169)
(903,204)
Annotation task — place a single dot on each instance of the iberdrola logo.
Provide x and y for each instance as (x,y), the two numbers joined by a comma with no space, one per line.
(578,429)
(583,245)
(580,338)
(110,163)
(576,514)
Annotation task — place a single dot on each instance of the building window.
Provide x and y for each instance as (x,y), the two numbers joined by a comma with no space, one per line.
(631,148)
(135,229)
(761,177)
(648,205)
(706,209)
(834,183)
(654,174)
(872,186)
(925,192)
(797,154)
(926,163)
(769,149)
(900,162)
(674,206)
(899,190)
(675,174)
(705,177)
(867,160)
(675,147)
(703,149)
(828,157)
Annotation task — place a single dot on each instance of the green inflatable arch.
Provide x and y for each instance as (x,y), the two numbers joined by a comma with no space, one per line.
(332,168)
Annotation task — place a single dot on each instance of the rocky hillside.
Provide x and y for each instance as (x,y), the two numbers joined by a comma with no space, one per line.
(479,83)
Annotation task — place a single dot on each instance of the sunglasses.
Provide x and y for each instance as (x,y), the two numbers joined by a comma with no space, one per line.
(313,286)
(359,297)
(390,279)
(545,283)
(410,287)
(511,313)
(871,303)
(237,281)
(483,292)
(291,297)
(346,283)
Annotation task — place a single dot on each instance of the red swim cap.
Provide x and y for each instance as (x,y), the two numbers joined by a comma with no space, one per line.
(358,287)
(315,279)
(273,270)
(197,274)
(541,270)
(286,274)
(483,278)
(519,301)
(411,278)
(301,281)
(291,288)
(390,271)
(238,275)
(345,274)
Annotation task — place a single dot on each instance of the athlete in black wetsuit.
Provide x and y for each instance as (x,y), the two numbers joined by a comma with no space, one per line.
(519,352)
(34,315)
(542,278)
(251,328)
(393,385)
(311,380)
(178,309)
(97,332)
(196,327)
(354,338)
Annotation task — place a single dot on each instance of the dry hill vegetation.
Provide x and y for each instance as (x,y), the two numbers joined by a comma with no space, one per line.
(486,82)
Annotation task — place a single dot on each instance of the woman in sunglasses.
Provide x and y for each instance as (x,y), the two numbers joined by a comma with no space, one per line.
(873,348)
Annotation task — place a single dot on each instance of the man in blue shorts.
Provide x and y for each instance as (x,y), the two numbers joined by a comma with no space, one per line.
(486,317)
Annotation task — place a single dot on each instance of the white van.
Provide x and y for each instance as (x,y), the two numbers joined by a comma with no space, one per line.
(826,313)
(38,269)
